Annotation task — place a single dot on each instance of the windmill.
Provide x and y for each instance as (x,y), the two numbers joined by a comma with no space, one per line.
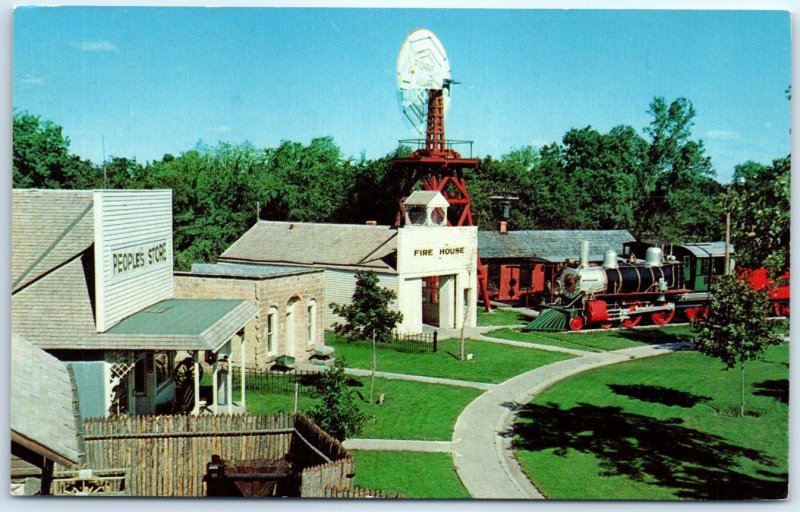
(423,86)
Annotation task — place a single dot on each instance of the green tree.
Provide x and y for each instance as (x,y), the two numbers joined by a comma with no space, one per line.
(337,411)
(682,196)
(760,206)
(736,329)
(368,316)
(41,157)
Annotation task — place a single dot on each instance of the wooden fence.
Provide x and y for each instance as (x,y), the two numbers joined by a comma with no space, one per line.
(167,455)
(316,479)
(358,493)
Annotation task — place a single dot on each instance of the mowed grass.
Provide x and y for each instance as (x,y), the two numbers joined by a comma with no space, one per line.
(598,340)
(501,317)
(411,410)
(491,362)
(412,474)
(661,428)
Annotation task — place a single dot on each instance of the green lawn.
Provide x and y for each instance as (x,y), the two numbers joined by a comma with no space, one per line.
(660,428)
(598,341)
(412,474)
(491,363)
(411,410)
(501,317)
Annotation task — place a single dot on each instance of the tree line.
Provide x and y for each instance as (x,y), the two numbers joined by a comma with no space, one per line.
(658,184)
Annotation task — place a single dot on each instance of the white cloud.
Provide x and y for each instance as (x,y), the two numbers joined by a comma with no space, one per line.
(30,79)
(94,46)
(723,135)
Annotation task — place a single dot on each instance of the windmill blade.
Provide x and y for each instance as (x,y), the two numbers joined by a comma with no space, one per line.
(421,65)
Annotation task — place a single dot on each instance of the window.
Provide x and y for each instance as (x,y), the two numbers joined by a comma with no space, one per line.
(272,325)
(311,324)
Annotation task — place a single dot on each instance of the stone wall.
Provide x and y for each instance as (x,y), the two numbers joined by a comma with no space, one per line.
(276,292)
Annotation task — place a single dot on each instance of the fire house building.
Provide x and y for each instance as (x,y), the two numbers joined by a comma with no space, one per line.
(431,266)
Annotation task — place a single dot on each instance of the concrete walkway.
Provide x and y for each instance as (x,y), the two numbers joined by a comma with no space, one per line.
(360,372)
(399,445)
(483,457)
(537,346)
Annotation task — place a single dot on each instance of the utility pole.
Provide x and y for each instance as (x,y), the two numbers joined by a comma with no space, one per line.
(727,243)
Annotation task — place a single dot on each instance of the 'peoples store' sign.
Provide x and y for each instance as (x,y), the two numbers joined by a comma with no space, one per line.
(134,258)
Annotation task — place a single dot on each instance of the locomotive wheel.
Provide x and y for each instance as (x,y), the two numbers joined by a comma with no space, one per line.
(781,309)
(662,317)
(634,320)
(576,323)
(696,313)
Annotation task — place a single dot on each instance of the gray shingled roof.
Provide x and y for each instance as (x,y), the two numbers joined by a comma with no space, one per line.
(245,270)
(299,243)
(550,246)
(52,295)
(49,228)
(42,401)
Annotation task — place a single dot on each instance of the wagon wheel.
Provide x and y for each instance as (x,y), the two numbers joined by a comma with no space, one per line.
(633,321)
(576,323)
(183,374)
(662,317)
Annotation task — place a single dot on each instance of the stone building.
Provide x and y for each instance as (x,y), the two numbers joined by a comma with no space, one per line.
(290,302)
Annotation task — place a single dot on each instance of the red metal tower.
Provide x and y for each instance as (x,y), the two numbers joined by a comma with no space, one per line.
(440,168)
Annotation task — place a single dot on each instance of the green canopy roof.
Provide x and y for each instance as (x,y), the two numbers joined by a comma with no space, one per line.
(186,323)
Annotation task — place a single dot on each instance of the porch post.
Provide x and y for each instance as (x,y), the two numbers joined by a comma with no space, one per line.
(229,384)
(196,408)
(243,399)
(214,391)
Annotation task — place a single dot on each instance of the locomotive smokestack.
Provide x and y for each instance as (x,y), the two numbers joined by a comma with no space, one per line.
(584,254)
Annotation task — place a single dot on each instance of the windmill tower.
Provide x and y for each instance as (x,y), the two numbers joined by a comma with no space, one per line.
(423,85)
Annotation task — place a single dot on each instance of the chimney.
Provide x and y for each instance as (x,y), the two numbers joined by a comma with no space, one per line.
(503,227)
(372,223)
(584,254)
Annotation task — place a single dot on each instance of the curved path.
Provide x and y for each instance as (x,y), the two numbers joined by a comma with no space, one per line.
(482,453)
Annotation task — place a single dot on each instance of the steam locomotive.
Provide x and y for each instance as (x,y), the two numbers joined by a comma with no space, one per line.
(625,291)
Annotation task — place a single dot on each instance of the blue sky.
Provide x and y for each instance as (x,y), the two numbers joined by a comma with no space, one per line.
(150,81)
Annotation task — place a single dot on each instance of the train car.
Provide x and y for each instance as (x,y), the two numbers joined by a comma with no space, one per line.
(618,291)
(627,290)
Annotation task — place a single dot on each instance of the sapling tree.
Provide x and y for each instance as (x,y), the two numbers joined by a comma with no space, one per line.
(368,316)
(736,329)
(337,411)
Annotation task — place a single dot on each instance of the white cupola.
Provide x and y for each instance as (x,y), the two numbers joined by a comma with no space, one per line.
(425,208)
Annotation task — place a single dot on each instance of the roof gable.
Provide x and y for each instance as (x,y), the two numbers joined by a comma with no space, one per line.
(300,243)
(42,401)
(48,228)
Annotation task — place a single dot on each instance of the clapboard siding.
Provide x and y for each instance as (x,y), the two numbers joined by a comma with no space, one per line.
(339,288)
(131,221)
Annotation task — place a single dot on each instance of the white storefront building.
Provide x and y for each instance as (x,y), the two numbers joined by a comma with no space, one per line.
(431,266)
(92,285)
